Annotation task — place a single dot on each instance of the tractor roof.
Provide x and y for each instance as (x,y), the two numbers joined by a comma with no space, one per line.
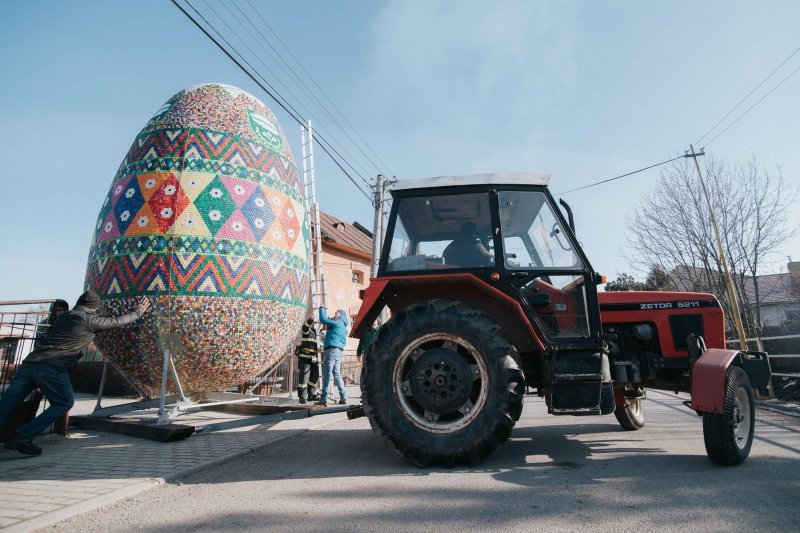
(495,178)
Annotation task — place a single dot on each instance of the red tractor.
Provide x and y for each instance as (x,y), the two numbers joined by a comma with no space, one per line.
(491,295)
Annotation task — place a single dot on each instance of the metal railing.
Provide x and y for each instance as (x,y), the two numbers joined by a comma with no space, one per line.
(784,360)
(22,322)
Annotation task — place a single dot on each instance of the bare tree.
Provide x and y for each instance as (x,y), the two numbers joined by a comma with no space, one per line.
(670,231)
(657,280)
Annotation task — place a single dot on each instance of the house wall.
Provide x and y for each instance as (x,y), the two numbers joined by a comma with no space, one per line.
(342,290)
(772,315)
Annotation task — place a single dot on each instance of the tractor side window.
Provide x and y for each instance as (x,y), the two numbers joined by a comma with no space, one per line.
(441,231)
(528,221)
(560,303)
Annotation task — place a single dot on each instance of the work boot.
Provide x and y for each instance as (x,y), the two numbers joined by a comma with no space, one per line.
(313,397)
(303,400)
(321,402)
(22,445)
(342,401)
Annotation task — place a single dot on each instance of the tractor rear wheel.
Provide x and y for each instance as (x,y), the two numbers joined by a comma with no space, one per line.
(439,384)
(729,436)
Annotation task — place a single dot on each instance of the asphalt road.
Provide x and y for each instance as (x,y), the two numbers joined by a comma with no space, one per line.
(555,473)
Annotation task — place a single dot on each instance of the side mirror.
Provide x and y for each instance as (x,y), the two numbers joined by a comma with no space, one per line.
(540,299)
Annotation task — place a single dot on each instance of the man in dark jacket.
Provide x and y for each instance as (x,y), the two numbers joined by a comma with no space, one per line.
(308,363)
(46,366)
(366,340)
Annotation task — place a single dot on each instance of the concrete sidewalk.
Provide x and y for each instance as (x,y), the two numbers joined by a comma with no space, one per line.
(90,469)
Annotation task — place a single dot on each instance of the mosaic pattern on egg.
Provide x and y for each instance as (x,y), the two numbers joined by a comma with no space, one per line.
(229,350)
(205,215)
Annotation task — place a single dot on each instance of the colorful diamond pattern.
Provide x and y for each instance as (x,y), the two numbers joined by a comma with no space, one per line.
(167,203)
(108,228)
(239,190)
(129,201)
(215,205)
(258,213)
(290,223)
(236,227)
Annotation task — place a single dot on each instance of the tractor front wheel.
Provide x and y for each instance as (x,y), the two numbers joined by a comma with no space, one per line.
(729,436)
(630,415)
(439,384)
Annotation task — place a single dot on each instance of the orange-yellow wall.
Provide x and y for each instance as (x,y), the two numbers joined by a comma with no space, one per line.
(342,291)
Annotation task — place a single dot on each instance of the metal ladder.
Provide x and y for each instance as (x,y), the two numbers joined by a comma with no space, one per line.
(316,272)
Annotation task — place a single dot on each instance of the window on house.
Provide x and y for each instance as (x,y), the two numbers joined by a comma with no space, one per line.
(358,277)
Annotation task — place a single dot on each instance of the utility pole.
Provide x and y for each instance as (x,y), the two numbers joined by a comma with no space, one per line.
(379,231)
(737,317)
(377,225)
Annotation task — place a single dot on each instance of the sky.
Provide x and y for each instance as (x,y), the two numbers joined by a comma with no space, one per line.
(581,90)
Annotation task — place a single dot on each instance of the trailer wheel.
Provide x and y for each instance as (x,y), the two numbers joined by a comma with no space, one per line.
(729,436)
(439,384)
(631,415)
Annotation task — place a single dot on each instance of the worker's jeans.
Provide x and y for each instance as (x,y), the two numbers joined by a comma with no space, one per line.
(56,387)
(332,366)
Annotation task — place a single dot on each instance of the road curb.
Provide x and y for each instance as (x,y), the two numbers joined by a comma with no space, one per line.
(48,519)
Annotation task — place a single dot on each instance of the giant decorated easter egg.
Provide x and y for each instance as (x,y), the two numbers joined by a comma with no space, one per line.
(205,216)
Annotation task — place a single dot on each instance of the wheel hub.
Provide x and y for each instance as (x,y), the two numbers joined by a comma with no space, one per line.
(441,380)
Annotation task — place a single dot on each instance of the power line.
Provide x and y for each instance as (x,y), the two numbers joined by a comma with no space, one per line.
(318,86)
(623,175)
(752,106)
(303,84)
(697,143)
(265,89)
(784,80)
(347,162)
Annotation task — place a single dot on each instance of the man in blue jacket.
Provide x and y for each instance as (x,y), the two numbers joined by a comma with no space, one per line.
(335,340)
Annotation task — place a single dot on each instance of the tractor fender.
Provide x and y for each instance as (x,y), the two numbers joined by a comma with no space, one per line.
(399,292)
(709,371)
(708,380)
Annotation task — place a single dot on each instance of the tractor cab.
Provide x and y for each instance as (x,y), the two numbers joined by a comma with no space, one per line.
(507,231)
